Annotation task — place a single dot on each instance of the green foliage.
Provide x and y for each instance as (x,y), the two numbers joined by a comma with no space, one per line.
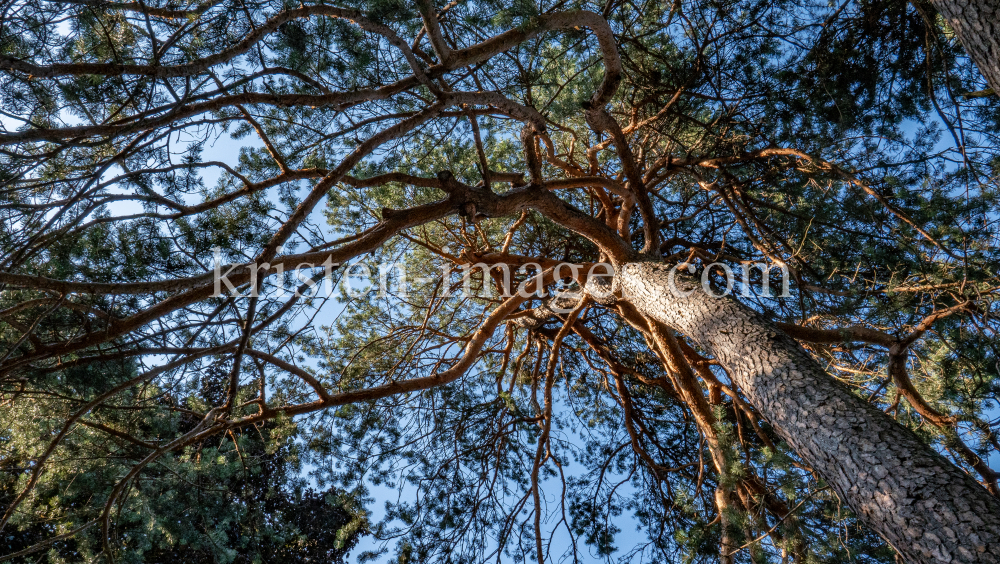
(885,213)
(238,497)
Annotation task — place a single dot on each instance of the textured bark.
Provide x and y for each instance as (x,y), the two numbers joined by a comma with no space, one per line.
(926,507)
(977,25)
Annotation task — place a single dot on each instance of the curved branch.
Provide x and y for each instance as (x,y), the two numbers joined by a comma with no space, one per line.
(198,66)
(473,347)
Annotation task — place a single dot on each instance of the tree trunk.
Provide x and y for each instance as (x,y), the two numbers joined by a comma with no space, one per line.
(977,25)
(927,508)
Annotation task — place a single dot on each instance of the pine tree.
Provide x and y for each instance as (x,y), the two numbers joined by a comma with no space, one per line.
(833,151)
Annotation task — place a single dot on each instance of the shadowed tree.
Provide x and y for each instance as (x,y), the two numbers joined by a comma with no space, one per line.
(166,257)
(235,497)
(975,25)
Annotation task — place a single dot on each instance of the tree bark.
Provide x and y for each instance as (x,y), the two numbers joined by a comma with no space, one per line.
(977,25)
(918,501)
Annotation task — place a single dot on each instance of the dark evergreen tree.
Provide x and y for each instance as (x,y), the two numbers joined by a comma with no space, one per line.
(236,497)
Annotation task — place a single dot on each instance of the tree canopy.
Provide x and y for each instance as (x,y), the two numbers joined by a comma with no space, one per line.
(147,146)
